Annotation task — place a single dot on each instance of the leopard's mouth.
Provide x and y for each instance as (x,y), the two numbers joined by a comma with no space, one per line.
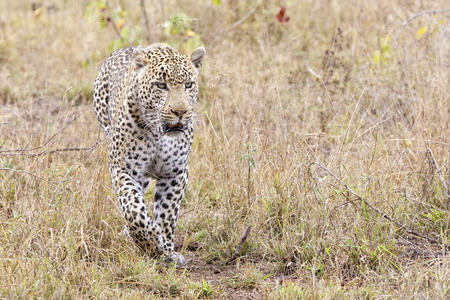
(177,127)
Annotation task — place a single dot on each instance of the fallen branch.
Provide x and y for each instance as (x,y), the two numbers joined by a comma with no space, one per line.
(414,251)
(425,12)
(239,22)
(438,170)
(63,150)
(22,171)
(423,203)
(18,151)
(70,149)
(28,173)
(377,210)
(419,14)
(239,246)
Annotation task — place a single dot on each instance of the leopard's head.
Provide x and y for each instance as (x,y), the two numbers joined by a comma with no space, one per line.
(167,85)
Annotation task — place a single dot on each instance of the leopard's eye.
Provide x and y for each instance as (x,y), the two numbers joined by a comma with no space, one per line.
(161,85)
(188,85)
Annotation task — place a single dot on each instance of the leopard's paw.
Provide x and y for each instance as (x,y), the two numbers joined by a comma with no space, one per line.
(175,257)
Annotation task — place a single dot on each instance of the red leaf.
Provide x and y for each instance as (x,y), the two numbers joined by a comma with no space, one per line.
(281,16)
(281,13)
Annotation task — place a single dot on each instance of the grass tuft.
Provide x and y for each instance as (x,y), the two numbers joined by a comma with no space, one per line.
(326,133)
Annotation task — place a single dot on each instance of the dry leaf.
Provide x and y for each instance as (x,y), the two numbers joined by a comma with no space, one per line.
(281,16)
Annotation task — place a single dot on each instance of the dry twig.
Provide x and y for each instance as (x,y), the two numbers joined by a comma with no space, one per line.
(22,171)
(116,29)
(438,170)
(377,210)
(28,173)
(64,150)
(239,22)
(419,14)
(19,151)
(239,246)
(425,12)
(69,149)
(9,152)
(163,10)
(146,23)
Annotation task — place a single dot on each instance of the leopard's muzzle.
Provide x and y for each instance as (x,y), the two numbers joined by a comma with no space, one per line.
(176,128)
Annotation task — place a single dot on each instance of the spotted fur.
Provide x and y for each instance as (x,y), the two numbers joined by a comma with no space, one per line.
(143,99)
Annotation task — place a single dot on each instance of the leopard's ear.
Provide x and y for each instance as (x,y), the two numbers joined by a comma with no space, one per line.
(138,57)
(197,57)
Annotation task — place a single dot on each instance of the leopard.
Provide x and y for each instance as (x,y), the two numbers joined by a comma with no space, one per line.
(144,101)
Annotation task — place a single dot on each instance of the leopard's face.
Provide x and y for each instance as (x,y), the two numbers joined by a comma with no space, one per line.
(167,84)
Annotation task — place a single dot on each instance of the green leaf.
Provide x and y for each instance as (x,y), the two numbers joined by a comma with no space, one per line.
(114,45)
(101,5)
(85,63)
(192,44)
(90,9)
(385,44)
(216,2)
(421,32)
(125,33)
(103,22)
(364,208)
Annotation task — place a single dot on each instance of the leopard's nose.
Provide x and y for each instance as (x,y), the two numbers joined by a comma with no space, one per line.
(178,112)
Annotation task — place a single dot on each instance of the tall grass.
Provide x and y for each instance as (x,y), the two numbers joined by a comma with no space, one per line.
(357,88)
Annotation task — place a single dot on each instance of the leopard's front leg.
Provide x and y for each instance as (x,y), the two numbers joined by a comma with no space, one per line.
(168,196)
(144,231)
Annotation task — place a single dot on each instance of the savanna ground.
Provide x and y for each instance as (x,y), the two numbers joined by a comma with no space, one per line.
(325,129)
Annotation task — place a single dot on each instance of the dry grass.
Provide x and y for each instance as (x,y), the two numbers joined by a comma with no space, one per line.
(275,100)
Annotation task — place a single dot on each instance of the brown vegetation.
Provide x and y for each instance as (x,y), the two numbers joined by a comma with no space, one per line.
(325,129)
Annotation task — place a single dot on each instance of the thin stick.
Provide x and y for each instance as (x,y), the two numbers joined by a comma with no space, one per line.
(239,246)
(425,12)
(163,11)
(377,210)
(116,30)
(350,122)
(70,149)
(63,150)
(419,14)
(57,189)
(240,21)
(438,170)
(423,203)
(146,23)
(7,152)
(26,172)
